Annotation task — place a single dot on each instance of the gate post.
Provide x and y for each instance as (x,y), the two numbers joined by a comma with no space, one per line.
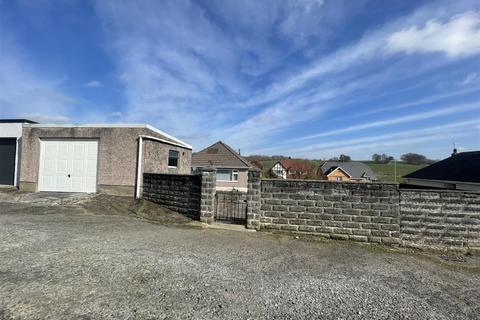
(207,202)
(253,198)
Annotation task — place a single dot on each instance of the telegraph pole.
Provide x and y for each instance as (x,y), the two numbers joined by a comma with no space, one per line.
(395,169)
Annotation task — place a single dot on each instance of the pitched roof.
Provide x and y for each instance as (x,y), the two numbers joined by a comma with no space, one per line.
(356,170)
(462,167)
(219,155)
(293,164)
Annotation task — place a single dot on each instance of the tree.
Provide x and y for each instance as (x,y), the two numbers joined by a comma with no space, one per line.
(342,158)
(414,158)
(345,158)
(381,158)
(257,163)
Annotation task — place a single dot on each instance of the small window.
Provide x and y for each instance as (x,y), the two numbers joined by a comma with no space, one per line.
(235,175)
(339,178)
(173,158)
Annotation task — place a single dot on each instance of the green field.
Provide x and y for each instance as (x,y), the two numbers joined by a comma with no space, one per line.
(384,172)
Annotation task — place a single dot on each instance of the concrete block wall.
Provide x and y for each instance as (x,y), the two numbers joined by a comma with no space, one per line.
(367,212)
(180,193)
(254,199)
(440,218)
(347,211)
(207,205)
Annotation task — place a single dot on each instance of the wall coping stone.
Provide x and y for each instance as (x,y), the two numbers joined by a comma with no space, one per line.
(332,182)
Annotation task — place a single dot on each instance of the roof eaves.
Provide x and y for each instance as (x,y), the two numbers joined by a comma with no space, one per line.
(344,171)
(110,125)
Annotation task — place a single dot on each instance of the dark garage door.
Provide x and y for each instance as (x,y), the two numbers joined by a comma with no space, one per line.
(7,160)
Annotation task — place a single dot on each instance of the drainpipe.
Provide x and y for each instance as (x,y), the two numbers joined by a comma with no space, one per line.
(139,167)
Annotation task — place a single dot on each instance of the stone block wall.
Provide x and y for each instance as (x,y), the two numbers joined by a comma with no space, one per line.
(440,218)
(367,212)
(180,193)
(347,211)
(207,205)
(254,199)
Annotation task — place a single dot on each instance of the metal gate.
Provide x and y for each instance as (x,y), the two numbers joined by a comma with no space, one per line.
(231,207)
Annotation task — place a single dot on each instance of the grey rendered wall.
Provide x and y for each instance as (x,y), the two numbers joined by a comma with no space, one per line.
(241,183)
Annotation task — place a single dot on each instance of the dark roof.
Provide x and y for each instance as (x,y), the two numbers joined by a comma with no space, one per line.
(357,170)
(462,167)
(16,121)
(219,155)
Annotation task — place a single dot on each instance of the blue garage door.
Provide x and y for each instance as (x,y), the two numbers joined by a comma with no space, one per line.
(7,160)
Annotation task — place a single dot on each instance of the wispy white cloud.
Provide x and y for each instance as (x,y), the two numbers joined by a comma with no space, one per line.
(423,101)
(365,146)
(93,84)
(366,149)
(253,72)
(45,118)
(460,36)
(397,120)
(345,142)
(471,77)
(446,129)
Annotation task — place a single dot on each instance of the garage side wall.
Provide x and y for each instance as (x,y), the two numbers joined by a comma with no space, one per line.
(117,155)
(155,158)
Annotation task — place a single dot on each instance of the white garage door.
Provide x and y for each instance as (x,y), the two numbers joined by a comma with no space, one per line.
(68,165)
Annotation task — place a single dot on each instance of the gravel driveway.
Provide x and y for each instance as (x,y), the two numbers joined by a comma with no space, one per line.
(70,261)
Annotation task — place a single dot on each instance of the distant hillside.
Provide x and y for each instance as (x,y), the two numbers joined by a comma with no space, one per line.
(384,172)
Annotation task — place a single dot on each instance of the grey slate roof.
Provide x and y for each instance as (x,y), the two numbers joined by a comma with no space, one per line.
(357,170)
(461,167)
(219,155)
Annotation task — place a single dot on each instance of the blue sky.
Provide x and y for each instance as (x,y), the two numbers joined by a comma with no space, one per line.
(306,78)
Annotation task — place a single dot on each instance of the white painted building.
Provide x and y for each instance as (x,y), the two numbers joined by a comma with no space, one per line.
(10,150)
(279,170)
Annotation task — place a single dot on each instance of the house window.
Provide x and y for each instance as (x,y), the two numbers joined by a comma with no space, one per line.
(339,178)
(227,175)
(173,158)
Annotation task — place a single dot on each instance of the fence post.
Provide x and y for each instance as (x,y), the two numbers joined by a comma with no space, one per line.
(207,204)
(253,198)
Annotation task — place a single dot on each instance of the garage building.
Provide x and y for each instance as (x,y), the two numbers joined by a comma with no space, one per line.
(98,158)
(10,150)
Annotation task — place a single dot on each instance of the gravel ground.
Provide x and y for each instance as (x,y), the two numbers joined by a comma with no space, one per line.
(92,258)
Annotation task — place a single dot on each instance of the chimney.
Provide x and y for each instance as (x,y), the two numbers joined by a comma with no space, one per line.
(454,151)
(239,152)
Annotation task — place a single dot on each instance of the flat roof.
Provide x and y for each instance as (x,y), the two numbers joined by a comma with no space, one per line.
(110,125)
(16,121)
